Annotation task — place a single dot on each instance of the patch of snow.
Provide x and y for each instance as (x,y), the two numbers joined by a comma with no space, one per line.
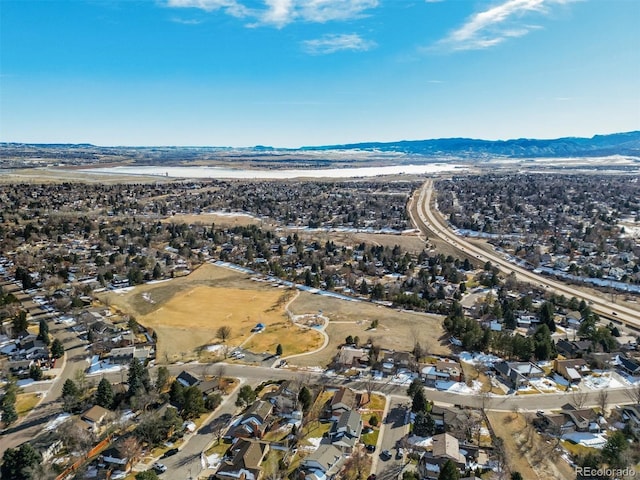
(213,461)
(56,422)
(479,358)
(420,441)
(593,440)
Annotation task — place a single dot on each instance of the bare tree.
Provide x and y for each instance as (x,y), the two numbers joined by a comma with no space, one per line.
(131,449)
(633,393)
(578,399)
(603,400)
(76,438)
(223,333)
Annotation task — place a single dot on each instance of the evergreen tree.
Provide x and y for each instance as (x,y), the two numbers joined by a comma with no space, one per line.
(138,380)
(246,396)
(57,349)
(17,464)
(20,322)
(416,384)
(8,404)
(193,405)
(162,379)
(104,394)
(43,332)
(424,425)
(35,372)
(304,397)
(420,402)
(449,471)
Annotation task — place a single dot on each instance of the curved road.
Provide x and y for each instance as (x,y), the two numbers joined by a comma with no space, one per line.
(428,220)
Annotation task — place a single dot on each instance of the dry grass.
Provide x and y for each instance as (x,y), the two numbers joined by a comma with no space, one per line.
(396,330)
(25,402)
(209,218)
(187,312)
(526,451)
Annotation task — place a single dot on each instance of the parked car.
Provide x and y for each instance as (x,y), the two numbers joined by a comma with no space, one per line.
(370,448)
(170,452)
(400,454)
(159,467)
(385,455)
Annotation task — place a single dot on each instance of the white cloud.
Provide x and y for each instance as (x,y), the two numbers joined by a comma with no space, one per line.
(279,13)
(336,43)
(496,24)
(231,7)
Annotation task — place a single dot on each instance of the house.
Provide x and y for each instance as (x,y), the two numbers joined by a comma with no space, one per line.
(253,422)
(325,462)
(187,380)
(127,354)
(631,413)
(445,447)
(351,357)
(345,432)
(394,361)
(517,374)
(95,417)
(571,370)
(570,419)
(285,401)
(48,444)
(445,370)
(573,349)
(343,401)
(629,366)
(449,418)
(246,456)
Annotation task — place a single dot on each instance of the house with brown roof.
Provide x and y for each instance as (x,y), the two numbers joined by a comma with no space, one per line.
(245,461)
(571,370)
(345,400)
(95,417)
(445,447)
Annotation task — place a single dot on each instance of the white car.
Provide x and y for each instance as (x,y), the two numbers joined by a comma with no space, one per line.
(159,467)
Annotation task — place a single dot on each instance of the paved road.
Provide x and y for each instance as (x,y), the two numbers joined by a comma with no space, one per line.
(50,406)
(394,427)
(427,219)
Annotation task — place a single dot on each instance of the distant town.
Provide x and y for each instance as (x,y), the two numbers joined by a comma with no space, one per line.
(474,324)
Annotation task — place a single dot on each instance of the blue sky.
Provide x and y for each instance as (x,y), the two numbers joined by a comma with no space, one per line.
(290,73)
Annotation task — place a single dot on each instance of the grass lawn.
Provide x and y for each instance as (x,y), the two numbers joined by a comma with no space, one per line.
(371,438)
(317,430)
(25,402)
(377,403)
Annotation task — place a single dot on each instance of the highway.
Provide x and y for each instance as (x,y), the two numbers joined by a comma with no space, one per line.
(429,221)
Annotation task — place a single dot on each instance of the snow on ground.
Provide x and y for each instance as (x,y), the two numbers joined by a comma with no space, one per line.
(605,380)
(215,348)
(403,378)
(476,358)
(459,387)
(56,422)
(593,440)
(102,366)
(213,461)
(315,443)
(420,441)
(544,384)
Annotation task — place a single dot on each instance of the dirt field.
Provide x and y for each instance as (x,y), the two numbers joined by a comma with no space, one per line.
(187,312)
(526,451)
(396,330)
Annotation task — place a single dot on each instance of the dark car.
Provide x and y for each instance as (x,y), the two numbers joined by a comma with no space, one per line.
(370,448)
(170,452)
(385,455)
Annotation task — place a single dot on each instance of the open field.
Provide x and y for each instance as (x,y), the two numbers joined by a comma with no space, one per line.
(186,313)
(397,330)
(238,220)
(526,452)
